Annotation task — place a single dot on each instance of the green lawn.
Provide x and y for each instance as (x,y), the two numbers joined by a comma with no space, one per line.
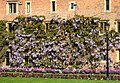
(41,80)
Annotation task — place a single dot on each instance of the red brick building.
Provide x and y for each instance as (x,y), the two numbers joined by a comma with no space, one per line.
(107,10)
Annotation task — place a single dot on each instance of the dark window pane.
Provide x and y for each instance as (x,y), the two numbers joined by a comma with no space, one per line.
(72,5)
(107,5)
(53,6)
(119,27)
(10,8)
(101,27)
(14,7)
(119,55)
(47,25)
(10,27)
(105,24)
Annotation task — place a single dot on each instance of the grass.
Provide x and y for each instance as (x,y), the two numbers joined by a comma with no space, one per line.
(42,80)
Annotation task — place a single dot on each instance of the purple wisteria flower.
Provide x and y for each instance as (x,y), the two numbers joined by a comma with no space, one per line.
(16,21)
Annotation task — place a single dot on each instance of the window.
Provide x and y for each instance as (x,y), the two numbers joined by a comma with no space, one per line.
(119,27)
(103,25)
(72,5)
(28,7)
(10,27)
(47,26)
(12,8)
(107,5)
(53,6)
(119,55)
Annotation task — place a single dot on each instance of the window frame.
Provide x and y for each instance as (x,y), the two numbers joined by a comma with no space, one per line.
(12,12)
(26,7)
(71,3)
(72,6)
(13,8)
(105,6)
(116,23)
(103,26)
(51,6)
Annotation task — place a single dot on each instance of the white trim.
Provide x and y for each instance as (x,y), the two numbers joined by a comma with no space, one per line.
(26,7)
(105,6)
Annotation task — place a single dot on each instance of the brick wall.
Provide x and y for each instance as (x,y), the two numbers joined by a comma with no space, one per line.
(2,9)
(84,7)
